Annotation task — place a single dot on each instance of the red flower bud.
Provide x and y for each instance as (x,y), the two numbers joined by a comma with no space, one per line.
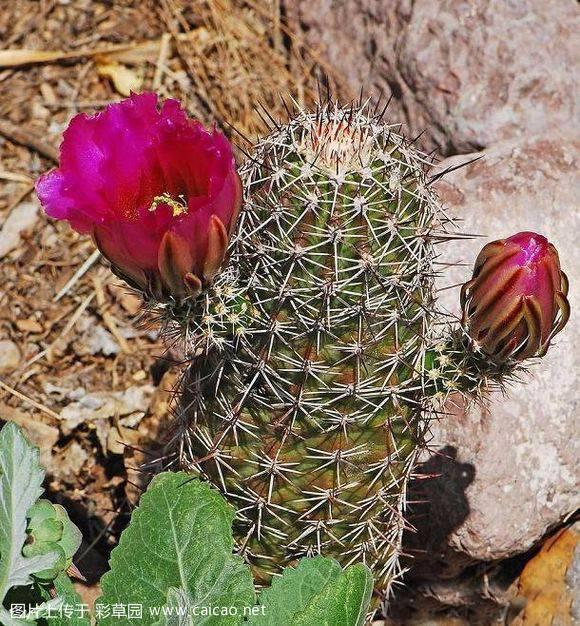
(516,301)
(158,192)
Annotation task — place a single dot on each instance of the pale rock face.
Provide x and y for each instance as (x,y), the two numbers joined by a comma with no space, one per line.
(524,447)
(471,72)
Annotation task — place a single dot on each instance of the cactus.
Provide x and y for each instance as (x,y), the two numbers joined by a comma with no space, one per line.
(316,366)
(316,356)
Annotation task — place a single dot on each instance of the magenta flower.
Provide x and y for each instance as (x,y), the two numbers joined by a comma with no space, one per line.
(516,301)
(158,192)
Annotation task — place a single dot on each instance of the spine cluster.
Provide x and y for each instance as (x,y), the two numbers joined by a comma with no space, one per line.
(305,400)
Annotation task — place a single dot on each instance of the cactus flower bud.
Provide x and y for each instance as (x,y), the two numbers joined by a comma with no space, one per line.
(516,301)
(158,193)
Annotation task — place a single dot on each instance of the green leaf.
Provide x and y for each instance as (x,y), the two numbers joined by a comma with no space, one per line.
(20,487)
(179,603)
(68,607)
(176,554)
(71,538)
(318,592)
(73,608)
(50,530)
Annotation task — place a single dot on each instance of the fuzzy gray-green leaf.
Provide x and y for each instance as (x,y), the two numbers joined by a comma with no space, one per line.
(317,593)
(72,611)
(21,479)
(177,552)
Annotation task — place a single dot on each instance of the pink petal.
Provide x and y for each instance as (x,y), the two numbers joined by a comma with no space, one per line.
(127,172)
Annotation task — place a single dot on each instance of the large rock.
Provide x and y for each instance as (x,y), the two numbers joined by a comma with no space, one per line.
(522,449)
(469,72)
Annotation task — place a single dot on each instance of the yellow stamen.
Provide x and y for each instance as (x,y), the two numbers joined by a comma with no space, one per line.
(179,206)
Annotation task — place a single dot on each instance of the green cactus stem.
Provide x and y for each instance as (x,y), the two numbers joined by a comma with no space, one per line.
(304,402)
(318,356)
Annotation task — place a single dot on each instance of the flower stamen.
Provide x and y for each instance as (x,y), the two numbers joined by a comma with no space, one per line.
(178,207)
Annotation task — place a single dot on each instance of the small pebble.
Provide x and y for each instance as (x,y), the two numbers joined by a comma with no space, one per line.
(9,356)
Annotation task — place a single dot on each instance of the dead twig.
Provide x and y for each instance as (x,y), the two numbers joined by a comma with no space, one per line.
(19,197)
(27,400)
(15,177)
(106,316)
(124,53)
(83,269)
(164,52)
(69,326)
(22,137)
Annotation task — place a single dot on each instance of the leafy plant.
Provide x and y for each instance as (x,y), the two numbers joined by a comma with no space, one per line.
(318,591)
(175,560)
(174,563)
(177,552)
(37,539)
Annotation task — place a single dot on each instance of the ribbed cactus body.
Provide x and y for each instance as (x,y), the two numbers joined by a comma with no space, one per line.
(304,403)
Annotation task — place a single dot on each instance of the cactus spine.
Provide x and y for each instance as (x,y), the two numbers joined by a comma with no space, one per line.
(315,358)
(304,402)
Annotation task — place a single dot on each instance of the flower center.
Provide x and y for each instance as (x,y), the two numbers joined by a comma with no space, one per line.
(178,207)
